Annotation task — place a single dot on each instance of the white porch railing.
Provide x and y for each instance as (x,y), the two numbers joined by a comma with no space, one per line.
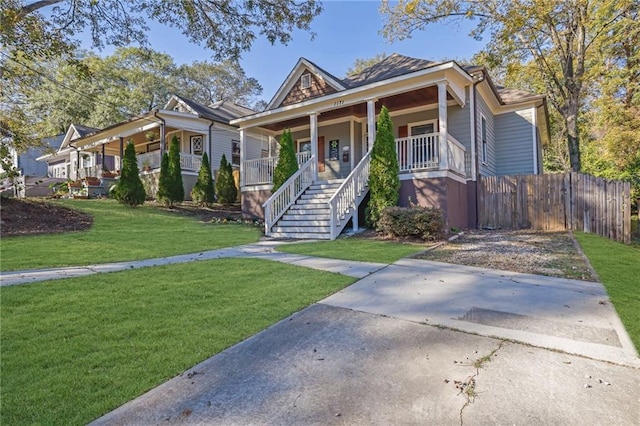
(456,155)
(418,152)
(190,161)
(92,171)
(150,159)
(422,152)
(260,170)
(343,205)
(288,193)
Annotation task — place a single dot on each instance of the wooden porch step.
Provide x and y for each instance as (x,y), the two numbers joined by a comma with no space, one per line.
(296,223)
(301,229)
(301,235)
(305,216)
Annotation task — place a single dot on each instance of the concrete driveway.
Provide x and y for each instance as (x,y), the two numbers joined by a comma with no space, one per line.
(371,354)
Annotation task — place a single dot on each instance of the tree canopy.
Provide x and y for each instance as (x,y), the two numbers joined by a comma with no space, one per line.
(560,39)
(48,28)
(40,100)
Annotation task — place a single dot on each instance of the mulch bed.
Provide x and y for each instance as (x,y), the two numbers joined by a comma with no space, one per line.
(37,216)
(31,217)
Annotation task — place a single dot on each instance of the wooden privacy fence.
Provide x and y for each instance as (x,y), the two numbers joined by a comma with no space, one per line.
(555,202)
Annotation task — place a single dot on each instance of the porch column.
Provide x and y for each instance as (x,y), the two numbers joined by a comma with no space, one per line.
(78,165)
(243,154)
(162,136)
(121,151)
(352,143)
(371,123)
(103,157)
(313,118)
(442,124)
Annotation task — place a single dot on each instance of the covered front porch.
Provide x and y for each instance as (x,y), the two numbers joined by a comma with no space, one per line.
(151,135)
(339,137)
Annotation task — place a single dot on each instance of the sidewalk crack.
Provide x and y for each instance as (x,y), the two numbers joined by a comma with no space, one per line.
(468,386)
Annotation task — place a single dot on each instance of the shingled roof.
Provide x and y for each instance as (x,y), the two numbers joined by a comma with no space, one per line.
(221,111)
(390,67)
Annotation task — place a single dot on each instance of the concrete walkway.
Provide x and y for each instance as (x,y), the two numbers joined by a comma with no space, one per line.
(389,350)
(365,356)
(262,249)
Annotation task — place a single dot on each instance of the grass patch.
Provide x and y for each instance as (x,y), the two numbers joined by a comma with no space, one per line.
(359,249)
(618,266)
(74,349)
(121,233)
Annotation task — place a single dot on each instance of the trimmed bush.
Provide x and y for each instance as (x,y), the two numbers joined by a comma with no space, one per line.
(170,187)
(384,182)
(203,191)
(287,162)
(225,184)
(426,223)
(129,189)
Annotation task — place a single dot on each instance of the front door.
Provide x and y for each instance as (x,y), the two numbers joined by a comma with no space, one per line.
(304,145)
(320,154)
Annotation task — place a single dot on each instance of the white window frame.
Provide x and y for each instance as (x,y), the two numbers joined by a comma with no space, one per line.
(194,138)
(422,123)
(305,81)
(234,155)
(484,131)
(300,142)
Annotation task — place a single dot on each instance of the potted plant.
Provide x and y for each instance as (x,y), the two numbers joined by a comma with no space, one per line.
(146,165)
(151,135)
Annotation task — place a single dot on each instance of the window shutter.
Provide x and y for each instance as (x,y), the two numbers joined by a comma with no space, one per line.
(403,131)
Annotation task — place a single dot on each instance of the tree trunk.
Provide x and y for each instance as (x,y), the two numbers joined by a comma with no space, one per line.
(570,114)
(573,141)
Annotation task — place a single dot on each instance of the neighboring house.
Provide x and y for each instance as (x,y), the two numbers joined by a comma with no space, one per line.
(452,124)
(198,128)
(32,179)
(68,162)
(27,162)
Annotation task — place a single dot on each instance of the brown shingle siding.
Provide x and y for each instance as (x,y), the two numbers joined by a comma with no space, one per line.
(319,87)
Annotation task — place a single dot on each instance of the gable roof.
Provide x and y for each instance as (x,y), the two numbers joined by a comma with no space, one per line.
(298,69)
(221,111)
(75,131)
(390,67)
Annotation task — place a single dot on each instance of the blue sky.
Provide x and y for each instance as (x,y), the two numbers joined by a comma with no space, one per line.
(345,30)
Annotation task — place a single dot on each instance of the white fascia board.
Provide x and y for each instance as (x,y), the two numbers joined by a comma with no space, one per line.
(356,95)
(497,107)
(518,107)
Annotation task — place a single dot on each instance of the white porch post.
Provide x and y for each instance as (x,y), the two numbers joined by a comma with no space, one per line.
(352,143)
(243,155)
(313,119)
(442,124)
(162,137)
(371,123)
(121,152)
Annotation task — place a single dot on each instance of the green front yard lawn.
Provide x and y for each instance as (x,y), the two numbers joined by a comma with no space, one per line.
(618,267)
(359,249)
(74,349)
(121,233)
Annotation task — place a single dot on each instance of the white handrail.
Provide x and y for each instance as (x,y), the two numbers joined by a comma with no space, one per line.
(190,161)
(343,205)
(456,155)
(259,171)
(288,193)
(418,152)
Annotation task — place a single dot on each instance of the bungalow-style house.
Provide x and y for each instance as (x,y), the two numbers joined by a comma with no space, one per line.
(68,162)
(452,124)
(197,127)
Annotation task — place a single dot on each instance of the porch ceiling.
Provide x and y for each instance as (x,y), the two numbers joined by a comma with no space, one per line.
(139,139)
(406,100)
